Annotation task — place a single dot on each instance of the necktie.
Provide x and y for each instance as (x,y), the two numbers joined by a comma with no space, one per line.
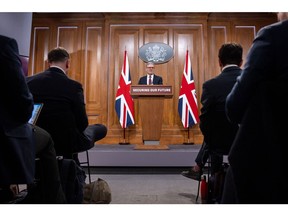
(150,80)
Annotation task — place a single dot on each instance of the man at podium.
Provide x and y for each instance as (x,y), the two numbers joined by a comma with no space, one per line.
(150,78)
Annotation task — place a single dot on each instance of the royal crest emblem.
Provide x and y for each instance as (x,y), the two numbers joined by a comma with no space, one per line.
(156,52)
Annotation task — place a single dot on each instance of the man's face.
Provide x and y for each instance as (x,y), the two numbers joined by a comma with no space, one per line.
(150,69)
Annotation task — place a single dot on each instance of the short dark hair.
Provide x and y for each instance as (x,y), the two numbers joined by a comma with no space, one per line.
(230,53)
(58,54)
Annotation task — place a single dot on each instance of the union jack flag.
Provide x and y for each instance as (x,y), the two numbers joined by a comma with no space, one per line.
(124,104)
(187,104)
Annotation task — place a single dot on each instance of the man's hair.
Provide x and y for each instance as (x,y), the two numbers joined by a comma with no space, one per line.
(150,63)
(230,53)
(58,54)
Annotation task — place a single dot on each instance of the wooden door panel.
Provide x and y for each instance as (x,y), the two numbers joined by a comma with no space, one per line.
(191,38)
(68,36)
(122,38)
(244,35)
(218,34)
(39,49)
(93,76)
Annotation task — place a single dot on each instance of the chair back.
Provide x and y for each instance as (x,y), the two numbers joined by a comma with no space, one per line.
(218,131)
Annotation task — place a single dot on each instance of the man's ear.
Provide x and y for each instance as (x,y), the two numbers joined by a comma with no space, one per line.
(67,65)
(220,63)
(241,63)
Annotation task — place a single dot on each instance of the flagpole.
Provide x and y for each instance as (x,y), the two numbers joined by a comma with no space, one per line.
(187,104)
(124,139)
(124,105)
(188,139)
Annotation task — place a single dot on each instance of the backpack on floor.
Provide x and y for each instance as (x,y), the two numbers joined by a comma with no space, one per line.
(72,180)
(97,192)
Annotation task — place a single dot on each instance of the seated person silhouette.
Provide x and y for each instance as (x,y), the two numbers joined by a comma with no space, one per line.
(20,142)
(64,112)
(218,131)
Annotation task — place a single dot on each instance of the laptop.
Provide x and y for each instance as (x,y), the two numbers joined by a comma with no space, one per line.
(35,114)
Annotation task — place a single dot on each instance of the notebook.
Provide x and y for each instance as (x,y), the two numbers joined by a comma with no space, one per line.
(35,114)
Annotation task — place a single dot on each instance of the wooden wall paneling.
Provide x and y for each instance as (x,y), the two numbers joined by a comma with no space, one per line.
(191,37)
(97,42)
(156,34)
(39,48)
(69,37)
(122,37)
(171,130)
(244,35)
(94,78)
(159,33)
(219,33)
(244,32)
(237,27)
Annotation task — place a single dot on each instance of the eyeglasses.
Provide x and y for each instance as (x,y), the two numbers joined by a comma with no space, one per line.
(150,67)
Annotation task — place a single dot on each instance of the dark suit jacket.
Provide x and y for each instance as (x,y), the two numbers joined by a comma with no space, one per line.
(17,147)
(259,102)
(157,80)
(218,132)
(63,114)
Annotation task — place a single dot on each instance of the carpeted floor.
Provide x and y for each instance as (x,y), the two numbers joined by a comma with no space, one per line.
(148,185)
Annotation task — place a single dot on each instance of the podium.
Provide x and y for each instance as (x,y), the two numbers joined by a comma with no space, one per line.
(151,103)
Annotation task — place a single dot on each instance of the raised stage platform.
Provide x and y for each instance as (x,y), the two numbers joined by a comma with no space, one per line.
(109,155)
